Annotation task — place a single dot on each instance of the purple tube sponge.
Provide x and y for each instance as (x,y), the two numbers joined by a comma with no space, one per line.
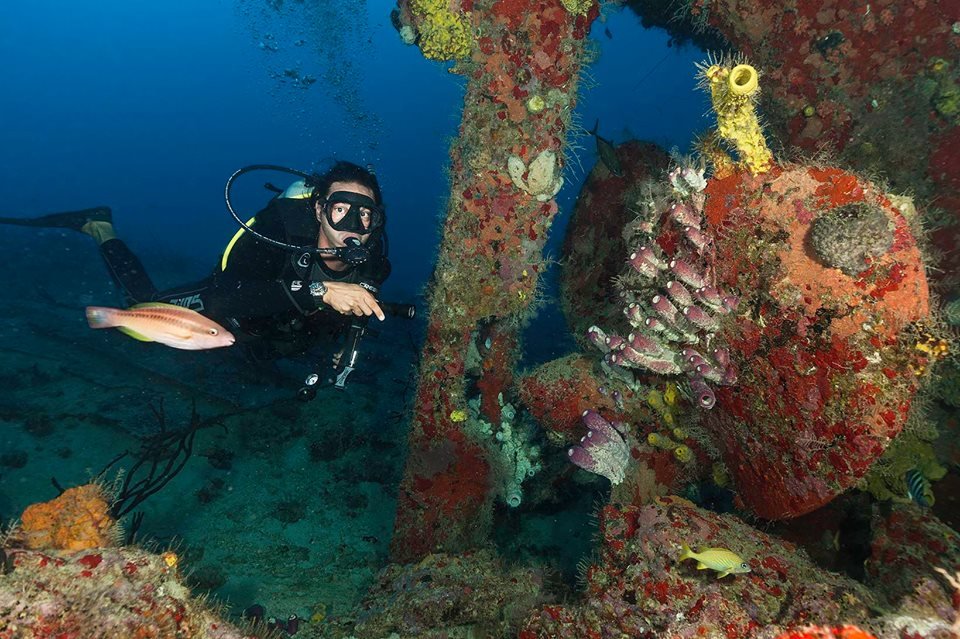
(702,393)
(603,450)
(679,294)
(671,298)
(698,238)
(685,215)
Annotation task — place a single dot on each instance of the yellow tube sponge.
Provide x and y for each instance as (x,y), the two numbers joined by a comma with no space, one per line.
(670,394)
(683,454)
(733,91)
(660,441)
(444,34)
(656,400)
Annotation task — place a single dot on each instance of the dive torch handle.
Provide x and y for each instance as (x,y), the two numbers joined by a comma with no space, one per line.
(406,311)
(348,356)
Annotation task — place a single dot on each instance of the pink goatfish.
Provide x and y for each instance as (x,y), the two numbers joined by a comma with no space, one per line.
(167,324)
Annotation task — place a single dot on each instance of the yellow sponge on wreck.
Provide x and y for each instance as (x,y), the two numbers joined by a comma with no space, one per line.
(444,34)
(734,89)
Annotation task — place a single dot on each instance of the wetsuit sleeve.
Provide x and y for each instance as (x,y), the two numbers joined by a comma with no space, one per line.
(249,281)
(376,271)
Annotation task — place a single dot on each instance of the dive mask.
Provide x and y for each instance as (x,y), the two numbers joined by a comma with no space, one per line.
(358,206)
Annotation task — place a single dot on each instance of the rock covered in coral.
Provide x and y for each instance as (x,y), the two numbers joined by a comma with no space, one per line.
(827,632)
(556,394)
(909,545)
(101,594)
(794,301)
(63,575)
(638,588)
(443,595)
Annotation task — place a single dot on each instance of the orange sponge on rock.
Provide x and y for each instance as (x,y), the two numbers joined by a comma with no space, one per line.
(78,519)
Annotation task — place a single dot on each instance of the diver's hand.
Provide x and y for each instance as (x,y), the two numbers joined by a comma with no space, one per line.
(351,298)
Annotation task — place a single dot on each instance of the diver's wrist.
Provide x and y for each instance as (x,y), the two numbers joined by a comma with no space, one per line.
(318,290)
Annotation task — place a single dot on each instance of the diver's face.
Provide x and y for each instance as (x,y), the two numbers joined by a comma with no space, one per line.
(330,237)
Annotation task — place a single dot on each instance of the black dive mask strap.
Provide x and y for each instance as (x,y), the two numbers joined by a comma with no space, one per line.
(354,253)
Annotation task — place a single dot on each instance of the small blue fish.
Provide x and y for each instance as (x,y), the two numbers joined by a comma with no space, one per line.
(918,488)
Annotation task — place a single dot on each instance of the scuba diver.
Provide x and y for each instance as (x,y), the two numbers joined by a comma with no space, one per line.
(305,267)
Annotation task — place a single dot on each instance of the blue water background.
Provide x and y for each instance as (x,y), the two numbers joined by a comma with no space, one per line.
(149,107)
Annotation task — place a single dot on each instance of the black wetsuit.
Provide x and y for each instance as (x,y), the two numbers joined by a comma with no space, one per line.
(258,291)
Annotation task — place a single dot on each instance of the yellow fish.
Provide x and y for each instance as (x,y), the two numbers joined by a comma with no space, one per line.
(172,325)
(725,562)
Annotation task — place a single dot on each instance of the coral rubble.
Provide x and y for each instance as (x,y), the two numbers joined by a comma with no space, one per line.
(637,587)
(60,576)
(467,595)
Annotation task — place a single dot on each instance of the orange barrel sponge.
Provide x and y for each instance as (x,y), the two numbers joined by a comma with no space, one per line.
(834,307)
(78,519)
